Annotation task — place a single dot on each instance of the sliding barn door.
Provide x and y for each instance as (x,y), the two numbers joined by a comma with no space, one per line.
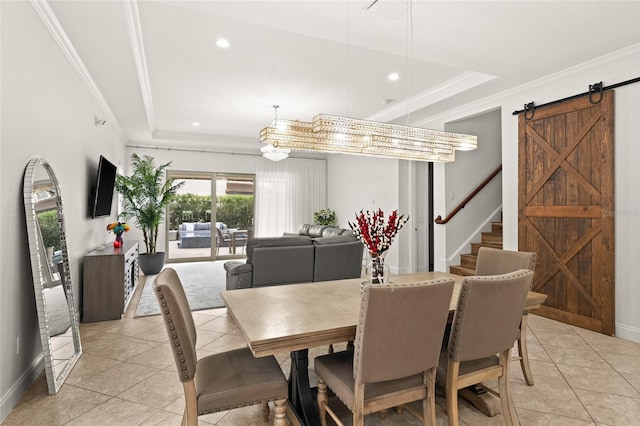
(566,209)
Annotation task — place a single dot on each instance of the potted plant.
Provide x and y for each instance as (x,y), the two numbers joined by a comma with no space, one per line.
(145,197)
(325,217)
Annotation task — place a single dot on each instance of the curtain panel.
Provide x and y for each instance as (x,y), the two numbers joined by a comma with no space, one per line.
(287,193)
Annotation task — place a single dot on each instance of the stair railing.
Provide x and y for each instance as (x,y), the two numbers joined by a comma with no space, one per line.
(440,221)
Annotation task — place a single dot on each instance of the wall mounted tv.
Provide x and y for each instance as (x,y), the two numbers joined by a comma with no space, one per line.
(102,194)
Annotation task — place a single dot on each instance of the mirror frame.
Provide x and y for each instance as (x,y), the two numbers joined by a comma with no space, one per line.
(39,264)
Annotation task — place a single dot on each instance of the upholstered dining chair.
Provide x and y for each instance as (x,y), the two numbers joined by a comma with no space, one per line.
(396,352)
(496,262)
(485,323)
(221,381)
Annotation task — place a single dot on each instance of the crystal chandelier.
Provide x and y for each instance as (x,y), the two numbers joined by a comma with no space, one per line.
(271,150)
(344,135)
(274,154)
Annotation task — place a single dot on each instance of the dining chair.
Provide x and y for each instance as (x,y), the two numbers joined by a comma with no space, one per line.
(485,323)
(221,381)
(496,262)
(395,354)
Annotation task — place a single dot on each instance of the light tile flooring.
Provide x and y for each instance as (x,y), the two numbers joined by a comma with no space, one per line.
(127,376)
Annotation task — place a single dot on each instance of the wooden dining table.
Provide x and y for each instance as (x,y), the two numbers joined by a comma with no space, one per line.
(295,317)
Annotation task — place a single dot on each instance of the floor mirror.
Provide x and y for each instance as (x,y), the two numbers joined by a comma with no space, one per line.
(57,316)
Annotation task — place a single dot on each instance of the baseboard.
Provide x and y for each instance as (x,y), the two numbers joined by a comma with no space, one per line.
(13,395)
(627,332)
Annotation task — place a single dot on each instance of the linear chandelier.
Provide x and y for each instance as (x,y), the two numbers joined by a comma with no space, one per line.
(344,135)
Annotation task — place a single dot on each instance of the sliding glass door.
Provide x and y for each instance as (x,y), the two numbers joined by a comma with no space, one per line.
(211,217)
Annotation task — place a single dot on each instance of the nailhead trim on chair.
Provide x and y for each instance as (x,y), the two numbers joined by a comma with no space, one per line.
(461,299)
(174,335)
(358,342)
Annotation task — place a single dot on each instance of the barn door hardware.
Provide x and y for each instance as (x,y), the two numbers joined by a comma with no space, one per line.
(529,108)
(595,96)
(593,89)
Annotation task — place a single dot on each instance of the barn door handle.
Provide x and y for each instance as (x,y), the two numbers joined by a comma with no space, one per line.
(530,107)
(593,89)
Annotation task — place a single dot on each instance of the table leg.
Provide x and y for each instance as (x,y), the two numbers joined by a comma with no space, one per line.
(300,393)
(484,401)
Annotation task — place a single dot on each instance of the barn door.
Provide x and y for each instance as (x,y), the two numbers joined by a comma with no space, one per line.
(565,209)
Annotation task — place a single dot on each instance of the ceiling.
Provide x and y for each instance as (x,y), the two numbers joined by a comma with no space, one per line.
(157,65)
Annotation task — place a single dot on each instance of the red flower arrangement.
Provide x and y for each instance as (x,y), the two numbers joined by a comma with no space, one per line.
(377,237)
(118,228)
(372,231)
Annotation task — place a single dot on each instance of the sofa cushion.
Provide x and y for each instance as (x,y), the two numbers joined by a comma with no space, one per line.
(304,229)
(331,231)
(276,242)
(335,239)
(316,230)
(202,226)
(188,227)
(282,265)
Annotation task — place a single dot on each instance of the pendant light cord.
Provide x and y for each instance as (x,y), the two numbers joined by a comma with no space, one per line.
(348,60)
(409,55)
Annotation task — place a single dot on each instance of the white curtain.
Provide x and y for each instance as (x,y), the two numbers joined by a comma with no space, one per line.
(287,193)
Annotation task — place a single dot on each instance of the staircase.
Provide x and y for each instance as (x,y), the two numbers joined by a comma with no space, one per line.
(492,239)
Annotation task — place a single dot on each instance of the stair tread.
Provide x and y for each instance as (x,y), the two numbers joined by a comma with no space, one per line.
(459,270)
(491,239)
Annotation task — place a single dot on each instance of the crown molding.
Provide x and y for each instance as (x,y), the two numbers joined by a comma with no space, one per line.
(134,29)
(186,136)
(60,36)
(461,83)
(613,59)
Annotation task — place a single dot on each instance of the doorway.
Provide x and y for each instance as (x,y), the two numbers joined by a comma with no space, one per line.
(211,216)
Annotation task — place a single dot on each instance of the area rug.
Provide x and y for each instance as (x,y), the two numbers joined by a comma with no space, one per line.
(202,282)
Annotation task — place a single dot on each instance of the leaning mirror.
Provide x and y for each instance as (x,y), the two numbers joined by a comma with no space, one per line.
(57,317)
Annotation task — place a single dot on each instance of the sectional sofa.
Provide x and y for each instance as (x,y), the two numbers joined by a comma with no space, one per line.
(315,253)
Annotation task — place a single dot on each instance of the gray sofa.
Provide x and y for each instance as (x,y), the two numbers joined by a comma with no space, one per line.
(315,253)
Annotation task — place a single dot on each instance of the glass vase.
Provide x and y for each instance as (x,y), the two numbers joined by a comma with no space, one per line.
(118,241)
(376,270)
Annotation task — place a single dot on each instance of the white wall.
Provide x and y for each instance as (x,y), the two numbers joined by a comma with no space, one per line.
(357,183)
(48,112)
(616,67)
(463,176)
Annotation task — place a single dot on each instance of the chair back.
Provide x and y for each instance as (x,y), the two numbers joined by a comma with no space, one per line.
(497,261)
(488,315)
(400,329)
(178,321)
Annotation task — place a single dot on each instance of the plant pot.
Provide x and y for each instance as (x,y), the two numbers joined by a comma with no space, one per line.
(151,264)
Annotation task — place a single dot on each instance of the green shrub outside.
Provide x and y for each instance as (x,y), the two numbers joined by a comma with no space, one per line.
(236,211)
(48,222)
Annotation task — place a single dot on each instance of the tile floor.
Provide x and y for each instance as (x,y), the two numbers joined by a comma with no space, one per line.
(127,376)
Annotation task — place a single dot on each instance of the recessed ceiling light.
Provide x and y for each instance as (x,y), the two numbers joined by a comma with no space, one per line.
(393,76)
(195,124)
(223,43)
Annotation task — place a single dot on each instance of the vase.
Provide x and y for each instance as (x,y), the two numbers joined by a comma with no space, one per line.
(376,270)
(119,241)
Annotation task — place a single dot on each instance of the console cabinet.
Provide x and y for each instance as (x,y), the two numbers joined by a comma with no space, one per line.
(109,279)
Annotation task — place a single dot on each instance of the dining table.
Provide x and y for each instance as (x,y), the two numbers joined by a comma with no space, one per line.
(293,318)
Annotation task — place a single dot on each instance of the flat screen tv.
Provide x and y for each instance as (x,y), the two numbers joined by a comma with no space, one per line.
(103,192)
